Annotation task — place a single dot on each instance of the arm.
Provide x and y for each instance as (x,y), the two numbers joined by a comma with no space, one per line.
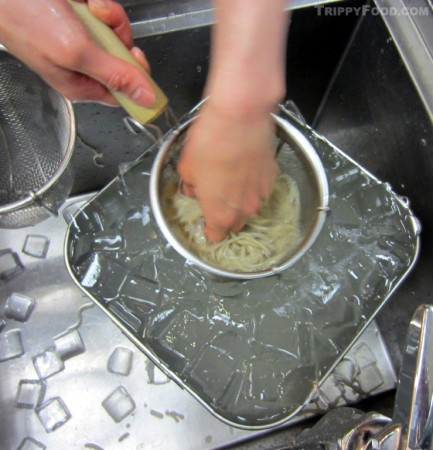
(228,161)
(48,37)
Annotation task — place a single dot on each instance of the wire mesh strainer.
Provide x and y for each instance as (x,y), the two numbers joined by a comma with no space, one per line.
(37,133)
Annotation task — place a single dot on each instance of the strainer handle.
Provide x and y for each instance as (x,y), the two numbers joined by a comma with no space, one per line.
(105,37)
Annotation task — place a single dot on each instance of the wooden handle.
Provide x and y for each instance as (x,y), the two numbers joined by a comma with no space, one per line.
(105,37)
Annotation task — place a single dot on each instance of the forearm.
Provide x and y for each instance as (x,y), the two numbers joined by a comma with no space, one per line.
(247,72)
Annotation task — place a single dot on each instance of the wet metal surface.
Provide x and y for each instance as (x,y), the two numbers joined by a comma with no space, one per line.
(71,379)
(275,339)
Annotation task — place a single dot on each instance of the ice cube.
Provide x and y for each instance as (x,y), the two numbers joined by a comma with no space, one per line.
(69,345)
(233,344)
(364,356)
(363,271)
(140,236)
(48,363)
(104,276)
(264,381)
(185,335)
(213,371)
(119,404)
(374,202)
(146,269)
(10,345)
(30,393)
(36,245)
(344,214)
(19,307)
(10,264)
(53,414)
(137,288)
(82,250)
(331,392)
(92,274)
(120,361)
(370,378)
(346,371)
(29,443)
(278,331)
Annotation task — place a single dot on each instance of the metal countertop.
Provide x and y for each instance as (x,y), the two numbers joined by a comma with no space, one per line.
(71,379)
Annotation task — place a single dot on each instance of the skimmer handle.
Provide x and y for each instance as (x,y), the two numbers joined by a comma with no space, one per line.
(108,40)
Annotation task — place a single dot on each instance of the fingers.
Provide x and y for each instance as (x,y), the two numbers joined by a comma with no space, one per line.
(126,79)
(227,211)
(222,217)
(118,76)
(138,54)
(74,64)
(215,235)
(267,186)
(113,14)
(79,87)
(230,167)
(219,223)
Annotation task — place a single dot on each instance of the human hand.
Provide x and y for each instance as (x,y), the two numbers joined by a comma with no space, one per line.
(228,164)
(48,37)
(228,161)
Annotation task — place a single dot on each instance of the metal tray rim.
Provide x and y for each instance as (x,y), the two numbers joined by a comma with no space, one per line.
(416,229)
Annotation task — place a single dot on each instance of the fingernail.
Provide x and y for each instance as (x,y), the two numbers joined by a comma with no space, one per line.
(137,52)
(143,97)
(101,4)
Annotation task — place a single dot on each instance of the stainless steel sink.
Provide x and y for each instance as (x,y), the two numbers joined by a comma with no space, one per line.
(352,79)
(346,74)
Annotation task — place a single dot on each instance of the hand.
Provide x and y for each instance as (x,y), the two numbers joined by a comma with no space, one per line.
(228,164)
(48,37)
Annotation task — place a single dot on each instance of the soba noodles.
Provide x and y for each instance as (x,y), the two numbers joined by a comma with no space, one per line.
(264,241)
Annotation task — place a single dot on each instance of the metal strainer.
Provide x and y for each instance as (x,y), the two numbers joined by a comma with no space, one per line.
(296,157)
(37,134)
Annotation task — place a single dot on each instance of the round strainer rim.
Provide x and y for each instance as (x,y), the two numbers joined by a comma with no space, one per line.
(307,150)
(32,196)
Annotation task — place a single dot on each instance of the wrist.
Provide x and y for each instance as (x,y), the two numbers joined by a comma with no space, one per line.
(233,117)
(236,97)
(247,72)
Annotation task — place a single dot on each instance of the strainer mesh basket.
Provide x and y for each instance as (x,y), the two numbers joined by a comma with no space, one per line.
(296,157)
(36,142)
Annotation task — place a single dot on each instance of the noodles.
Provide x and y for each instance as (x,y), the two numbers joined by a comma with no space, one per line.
(264,241)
